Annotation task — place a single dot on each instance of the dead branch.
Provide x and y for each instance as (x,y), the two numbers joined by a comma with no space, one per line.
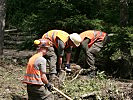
(76,75)
(111,35)
(10,30)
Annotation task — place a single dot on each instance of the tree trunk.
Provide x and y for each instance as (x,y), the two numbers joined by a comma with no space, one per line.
(2,24)
(123,13)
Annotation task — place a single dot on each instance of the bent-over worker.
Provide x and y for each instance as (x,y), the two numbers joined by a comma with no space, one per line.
(61,41)
(92,42)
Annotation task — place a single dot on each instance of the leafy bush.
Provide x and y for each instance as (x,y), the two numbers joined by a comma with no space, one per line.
(116,57)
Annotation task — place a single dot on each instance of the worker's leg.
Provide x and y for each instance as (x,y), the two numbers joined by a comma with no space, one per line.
(90,63)
(50,97)
(96,47)
(90,59)
(52,60)
(45,94)
(51,56)
(84,46)
(68,58)
(91,54)
(36,92)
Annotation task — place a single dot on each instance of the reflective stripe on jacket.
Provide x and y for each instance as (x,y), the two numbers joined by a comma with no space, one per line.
(53,34)
(33,76)
(93,36)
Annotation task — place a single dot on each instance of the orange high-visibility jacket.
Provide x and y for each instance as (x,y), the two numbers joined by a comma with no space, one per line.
(93,35)
(53,34)
(33,76)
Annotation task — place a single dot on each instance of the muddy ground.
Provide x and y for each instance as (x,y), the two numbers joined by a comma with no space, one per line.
(12,69)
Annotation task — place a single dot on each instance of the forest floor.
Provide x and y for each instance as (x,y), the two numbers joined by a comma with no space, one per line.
(12,69)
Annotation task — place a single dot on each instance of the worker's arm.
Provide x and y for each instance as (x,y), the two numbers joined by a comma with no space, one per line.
(44,78)
(40,64)
(84,46)
(68,58)
(45,81)
(60,49)
(60,52)
(85,43)
(77,53)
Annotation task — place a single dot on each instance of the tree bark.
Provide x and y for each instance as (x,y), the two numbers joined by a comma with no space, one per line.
(2,24)
(123,13)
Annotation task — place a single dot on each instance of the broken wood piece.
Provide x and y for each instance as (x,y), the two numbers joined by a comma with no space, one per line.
(88,95)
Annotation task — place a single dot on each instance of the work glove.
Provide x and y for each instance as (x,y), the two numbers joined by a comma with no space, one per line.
(49,86)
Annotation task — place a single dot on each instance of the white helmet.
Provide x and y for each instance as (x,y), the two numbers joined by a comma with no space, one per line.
(75,38)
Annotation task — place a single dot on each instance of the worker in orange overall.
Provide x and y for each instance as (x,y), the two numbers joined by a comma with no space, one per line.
(62,41)
(35,76)
(92,42)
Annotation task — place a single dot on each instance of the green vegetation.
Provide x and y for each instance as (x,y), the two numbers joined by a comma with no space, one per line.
(12,88)
(35,17)
(85,85)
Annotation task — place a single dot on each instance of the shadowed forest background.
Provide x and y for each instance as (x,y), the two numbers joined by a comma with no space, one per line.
(36,17)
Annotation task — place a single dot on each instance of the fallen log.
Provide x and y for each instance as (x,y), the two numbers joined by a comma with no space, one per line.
(89,95)
(10,30)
